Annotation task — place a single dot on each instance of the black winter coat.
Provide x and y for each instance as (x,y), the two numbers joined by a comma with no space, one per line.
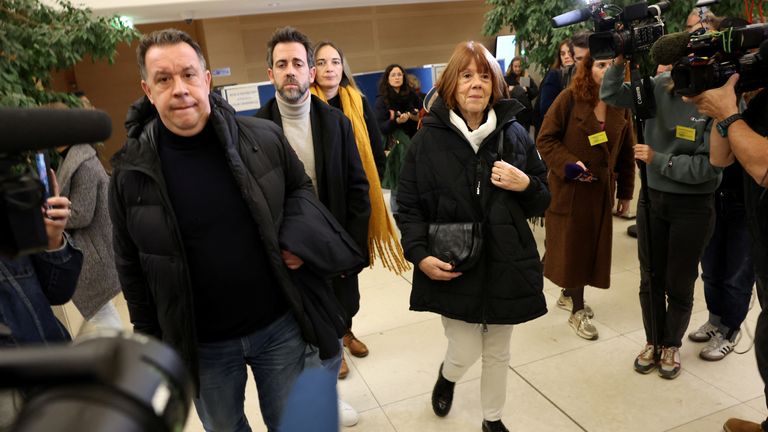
(149,252)
(403,103)
(311,232)
(439,182)
(341,182)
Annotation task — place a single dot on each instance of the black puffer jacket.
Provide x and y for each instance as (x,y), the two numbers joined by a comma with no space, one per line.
(149,252)
(439,183)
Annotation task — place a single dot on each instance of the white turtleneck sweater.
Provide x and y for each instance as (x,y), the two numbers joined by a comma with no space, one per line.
(297,128)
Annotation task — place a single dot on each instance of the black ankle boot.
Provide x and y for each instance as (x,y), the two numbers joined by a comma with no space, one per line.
(442,395)
(494,426)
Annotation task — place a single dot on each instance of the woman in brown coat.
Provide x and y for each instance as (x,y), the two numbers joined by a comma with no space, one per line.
(587,146)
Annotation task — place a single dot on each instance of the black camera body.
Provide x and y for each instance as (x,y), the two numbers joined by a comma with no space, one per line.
(22,194)
(124,383)
(715,56)
(21,222)
(632,30)
(120,383)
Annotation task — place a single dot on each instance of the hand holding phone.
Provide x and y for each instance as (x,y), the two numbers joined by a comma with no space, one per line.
(41,163)
(57,211)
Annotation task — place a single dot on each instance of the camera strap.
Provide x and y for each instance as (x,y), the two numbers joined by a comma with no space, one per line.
(642,95)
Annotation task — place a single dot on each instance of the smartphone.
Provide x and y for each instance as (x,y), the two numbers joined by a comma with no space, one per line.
(41,163)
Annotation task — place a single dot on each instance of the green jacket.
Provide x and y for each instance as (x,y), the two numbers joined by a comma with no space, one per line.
(679,165)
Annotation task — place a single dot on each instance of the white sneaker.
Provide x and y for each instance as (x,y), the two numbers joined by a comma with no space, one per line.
(106,319)
(703,333)
(347,415)
(717,348)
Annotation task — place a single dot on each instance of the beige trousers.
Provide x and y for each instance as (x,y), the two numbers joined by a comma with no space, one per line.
(467,343)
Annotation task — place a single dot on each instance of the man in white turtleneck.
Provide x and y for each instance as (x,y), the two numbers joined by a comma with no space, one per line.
(323,139)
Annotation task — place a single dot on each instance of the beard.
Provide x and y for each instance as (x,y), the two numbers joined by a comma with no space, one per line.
(293,95)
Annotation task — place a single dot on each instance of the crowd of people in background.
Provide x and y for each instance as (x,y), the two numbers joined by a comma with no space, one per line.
(485,153)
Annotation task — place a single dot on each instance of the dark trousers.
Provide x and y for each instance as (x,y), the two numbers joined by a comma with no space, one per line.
(727,268)
(680,225)
(347,293)
(760,257)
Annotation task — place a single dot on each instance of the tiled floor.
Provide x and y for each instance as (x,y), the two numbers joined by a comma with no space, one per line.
(557,381)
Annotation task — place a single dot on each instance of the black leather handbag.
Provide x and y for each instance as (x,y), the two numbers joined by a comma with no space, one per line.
(459,244)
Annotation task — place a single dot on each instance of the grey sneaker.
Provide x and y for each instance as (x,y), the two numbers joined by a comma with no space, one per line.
(703,333)
(669,365)
(566,303)
(645,362)
(582,325)
(717,348)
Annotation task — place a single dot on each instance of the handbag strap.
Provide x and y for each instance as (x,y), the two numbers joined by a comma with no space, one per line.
(500,151)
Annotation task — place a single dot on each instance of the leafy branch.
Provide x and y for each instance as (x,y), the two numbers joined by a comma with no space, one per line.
(37,39)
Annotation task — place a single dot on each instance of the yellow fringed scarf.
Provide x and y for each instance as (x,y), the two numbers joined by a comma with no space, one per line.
(382,237)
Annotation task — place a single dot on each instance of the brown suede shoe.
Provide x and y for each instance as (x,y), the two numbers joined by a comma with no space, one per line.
(344,369)
(356,347)
(738,425)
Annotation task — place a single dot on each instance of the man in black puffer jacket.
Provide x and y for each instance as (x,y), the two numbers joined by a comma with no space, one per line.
(196,201)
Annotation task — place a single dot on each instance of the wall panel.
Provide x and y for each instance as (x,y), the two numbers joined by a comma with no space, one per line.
(371,37)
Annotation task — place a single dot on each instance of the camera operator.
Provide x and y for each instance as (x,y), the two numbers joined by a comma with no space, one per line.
(726,266)
(681,185)
(29,285)
(742,137)
(700,20)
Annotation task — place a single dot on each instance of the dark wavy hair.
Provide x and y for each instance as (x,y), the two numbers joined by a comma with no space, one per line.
(558,63)
(386,90)
(582,85)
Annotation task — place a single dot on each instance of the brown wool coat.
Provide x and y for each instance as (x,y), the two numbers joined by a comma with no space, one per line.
(578,221)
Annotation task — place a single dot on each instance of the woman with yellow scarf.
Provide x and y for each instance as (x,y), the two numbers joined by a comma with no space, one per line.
(334,85)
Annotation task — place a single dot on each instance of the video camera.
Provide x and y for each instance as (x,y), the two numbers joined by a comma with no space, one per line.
(630,30)
(122,383)
(22,194)
(118,384)
(706,61)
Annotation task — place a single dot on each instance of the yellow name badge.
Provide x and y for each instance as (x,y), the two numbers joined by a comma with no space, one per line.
(686,133)
(598,138)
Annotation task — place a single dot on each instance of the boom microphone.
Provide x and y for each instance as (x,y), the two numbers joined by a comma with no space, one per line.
(744,38)
(658,8)
(30,129)
(571,17)
(670,48)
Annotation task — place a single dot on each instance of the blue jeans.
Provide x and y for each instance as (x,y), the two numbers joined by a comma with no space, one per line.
(332,364)
(727,268)
(276,357)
